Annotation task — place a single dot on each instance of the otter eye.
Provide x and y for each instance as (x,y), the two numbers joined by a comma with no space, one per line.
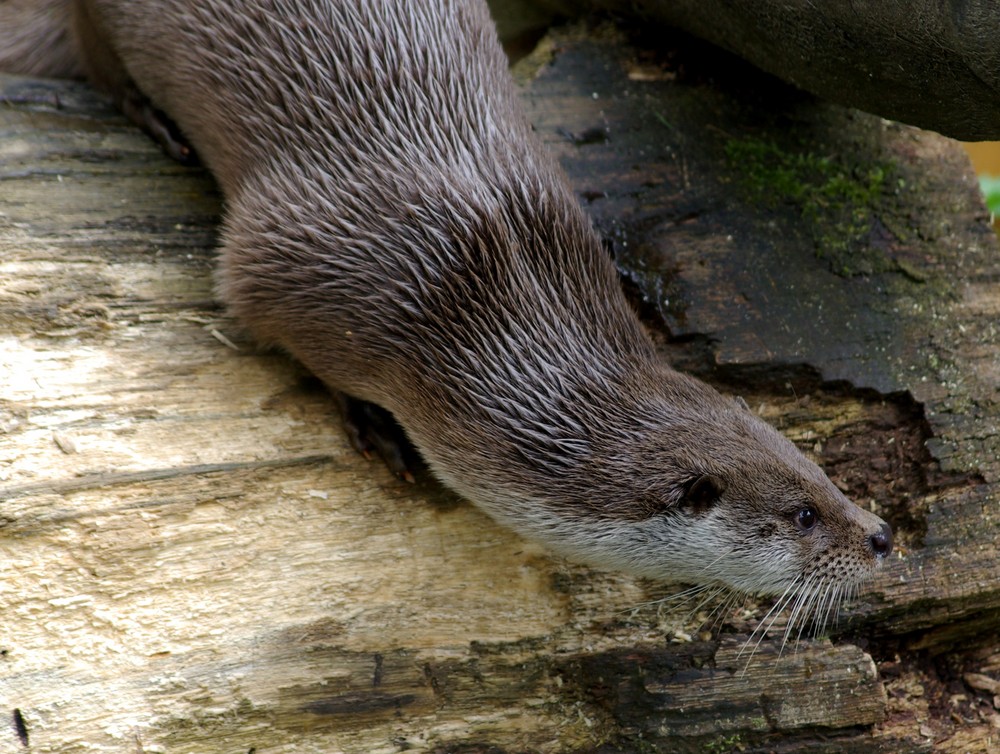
(703,492)
(806,519)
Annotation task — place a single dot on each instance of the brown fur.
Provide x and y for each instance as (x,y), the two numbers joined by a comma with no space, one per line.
(35,39)
(393,223)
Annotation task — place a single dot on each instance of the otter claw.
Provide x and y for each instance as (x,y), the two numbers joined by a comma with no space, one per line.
(155,123)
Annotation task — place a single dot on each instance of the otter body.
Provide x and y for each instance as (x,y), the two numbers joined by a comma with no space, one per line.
(393,223)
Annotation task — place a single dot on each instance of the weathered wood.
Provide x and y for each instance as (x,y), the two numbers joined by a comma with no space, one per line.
(192,559)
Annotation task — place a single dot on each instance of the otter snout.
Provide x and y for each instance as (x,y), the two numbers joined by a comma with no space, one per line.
(880,542)
(876,532)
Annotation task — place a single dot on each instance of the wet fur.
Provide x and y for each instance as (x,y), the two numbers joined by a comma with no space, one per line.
(392,222)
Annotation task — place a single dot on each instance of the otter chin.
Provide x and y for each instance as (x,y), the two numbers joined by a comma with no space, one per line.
(393,223)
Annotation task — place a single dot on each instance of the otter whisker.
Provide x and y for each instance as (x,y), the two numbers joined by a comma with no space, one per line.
(800,610)
(753,644)
(812,609)
(707,595)
(812,603)
(837,599)
(765,623)
(824,606)
(782,601)
(680,598)
(703,593)
(689,593)
(718,615)
(710,595)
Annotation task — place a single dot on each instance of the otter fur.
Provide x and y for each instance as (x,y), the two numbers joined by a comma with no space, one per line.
(393,223)
(36,40)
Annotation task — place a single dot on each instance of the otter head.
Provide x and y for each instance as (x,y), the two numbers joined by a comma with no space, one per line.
(716,496)
(778,522)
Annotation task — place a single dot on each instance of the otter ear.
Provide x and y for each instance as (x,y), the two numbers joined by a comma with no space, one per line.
(740,402)
(702,492)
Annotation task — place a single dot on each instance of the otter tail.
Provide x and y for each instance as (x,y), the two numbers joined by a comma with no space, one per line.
(36,40)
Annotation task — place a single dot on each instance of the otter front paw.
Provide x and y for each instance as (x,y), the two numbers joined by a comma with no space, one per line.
(372,429)
(164,131)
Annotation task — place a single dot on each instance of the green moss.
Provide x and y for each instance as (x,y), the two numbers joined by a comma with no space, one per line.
(990,184)
(724,744)
(838,199)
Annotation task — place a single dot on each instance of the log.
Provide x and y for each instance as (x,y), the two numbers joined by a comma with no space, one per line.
(192,559)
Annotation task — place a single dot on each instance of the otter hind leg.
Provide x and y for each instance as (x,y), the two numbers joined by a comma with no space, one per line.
(372,429)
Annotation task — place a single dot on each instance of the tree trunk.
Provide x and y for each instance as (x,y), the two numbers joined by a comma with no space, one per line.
(193,560)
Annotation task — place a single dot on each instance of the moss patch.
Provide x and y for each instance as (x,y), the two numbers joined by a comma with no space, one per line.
(836,197)
(724,744)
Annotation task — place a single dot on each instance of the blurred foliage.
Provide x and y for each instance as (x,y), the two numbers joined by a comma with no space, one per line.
(990,184)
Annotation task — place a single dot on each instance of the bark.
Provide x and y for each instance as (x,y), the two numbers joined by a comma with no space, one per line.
(193,560)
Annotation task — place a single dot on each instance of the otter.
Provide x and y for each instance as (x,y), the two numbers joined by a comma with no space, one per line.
(392,222)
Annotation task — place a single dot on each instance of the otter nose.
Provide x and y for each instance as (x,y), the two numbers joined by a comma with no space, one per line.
(881,541)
